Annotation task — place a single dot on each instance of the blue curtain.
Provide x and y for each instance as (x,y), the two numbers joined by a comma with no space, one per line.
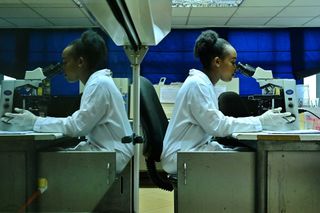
(266,48)
(27,49)
(11,50)
(288,52)
(310,53)
(45,47)
(173,56)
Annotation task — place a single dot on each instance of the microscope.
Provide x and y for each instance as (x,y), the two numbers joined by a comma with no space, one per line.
(31,93)
(275,93)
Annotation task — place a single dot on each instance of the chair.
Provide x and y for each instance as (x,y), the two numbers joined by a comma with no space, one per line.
(231,104)
(154,124)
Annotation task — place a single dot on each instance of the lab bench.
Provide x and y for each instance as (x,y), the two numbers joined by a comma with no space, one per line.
(280,174)
(18,161)
(287,171)
(77,181)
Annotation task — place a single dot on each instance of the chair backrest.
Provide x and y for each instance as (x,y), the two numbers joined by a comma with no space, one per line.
(153,120)
(154,125)
(231,104)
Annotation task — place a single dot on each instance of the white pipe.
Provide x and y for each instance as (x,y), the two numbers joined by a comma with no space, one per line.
(136,130)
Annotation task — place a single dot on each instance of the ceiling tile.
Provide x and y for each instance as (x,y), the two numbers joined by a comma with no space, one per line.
(4,5)
(179,20)
(71,22)
(10,2)
(209,21)
(29,22)
(305,3)
(4,23)
(313,23)
(250,13)
(17,13)
(300,12)
(265,3)
(257,12)
(180,11)
(212,12)
(247,21)
(287,22)
(49,3)
(60,12)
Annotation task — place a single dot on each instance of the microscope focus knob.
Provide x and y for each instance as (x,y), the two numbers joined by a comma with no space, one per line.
(290,105)
(6,106)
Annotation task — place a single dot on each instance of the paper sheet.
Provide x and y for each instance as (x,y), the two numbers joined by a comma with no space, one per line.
(304,131)
(15,132)
(33,133)
(291,135)
(168,94)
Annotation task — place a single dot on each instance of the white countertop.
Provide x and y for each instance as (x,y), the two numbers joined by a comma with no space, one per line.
(295,135)
(36,135)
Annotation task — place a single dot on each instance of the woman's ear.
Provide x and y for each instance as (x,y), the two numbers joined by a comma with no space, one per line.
(80,61)
(216,61)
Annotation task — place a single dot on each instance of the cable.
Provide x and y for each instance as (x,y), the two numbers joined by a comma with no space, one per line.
(301,110)
(42,187)
(29,201)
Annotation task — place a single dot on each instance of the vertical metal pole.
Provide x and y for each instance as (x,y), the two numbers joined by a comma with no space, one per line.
(135,57)
(318,86)
(136,129)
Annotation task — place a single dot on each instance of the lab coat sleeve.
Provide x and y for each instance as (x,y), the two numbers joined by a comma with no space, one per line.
(212,120)
(94,104)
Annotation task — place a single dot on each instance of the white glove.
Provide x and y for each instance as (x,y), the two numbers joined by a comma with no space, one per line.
(23,118)
(273,119)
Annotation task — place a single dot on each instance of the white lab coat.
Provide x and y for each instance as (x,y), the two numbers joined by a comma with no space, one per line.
(101,118)
(196,118)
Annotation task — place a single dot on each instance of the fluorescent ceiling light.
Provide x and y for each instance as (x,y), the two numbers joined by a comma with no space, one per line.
(206,3)
(78,3)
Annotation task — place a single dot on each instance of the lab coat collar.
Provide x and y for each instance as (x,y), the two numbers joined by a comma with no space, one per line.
(99,73)
(200,74)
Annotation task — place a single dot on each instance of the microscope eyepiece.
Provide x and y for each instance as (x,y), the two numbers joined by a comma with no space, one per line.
(52,70)
(246,69)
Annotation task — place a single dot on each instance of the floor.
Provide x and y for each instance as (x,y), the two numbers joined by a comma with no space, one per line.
(155,200)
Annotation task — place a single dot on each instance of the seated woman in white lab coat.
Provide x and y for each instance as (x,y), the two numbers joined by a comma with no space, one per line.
(102,117)
(196,117)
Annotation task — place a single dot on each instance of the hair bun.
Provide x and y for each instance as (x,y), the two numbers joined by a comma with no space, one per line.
(206,37)
(92,47)
(210,34)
